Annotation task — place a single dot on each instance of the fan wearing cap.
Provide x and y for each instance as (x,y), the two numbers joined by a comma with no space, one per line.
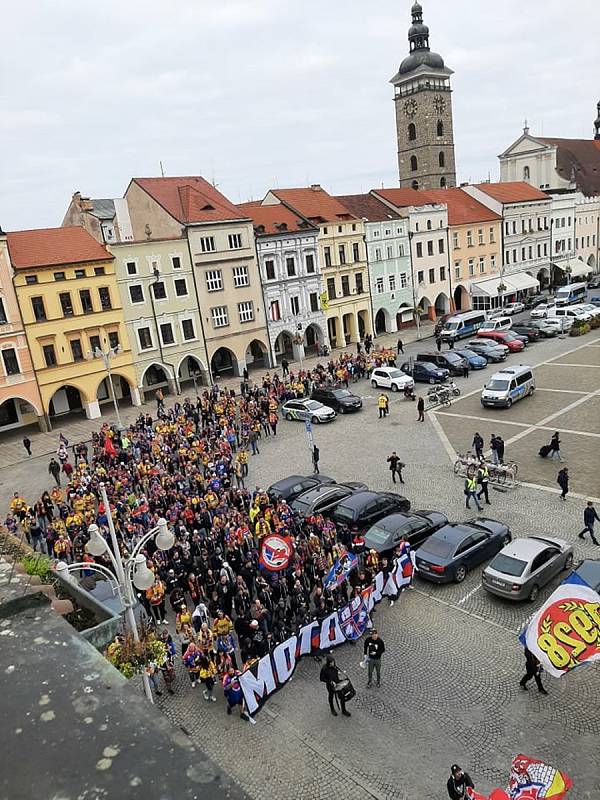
(458,783)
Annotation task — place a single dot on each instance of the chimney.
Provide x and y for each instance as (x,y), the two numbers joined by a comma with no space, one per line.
(316,187)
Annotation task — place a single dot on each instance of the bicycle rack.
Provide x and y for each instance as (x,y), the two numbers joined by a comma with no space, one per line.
(502,477)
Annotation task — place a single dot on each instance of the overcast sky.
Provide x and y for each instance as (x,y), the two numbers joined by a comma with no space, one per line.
(260,93)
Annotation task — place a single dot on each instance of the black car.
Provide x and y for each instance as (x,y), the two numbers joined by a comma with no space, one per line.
(488,349)
(454,363)
(425,371)
(363,509)
(417,526)
(594,282)
(532,334)
(456,548)
(534,300)
(324,497)
(589,571)
(289,488)
(339,399)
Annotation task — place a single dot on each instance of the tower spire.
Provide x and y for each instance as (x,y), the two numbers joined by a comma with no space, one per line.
(597,124)
(418,33)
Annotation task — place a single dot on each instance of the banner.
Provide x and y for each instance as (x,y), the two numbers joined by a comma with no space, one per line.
(342,567)
(265,676)
(565,632)
(530,779)
(324,298)
(275,552)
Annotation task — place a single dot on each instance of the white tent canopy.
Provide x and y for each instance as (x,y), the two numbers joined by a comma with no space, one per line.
(522,281)
(579,268)
(517,282)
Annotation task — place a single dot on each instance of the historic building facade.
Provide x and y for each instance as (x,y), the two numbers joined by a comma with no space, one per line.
(424,123)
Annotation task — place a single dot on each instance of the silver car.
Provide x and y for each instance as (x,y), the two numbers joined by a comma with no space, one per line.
(308,410)
(521,568)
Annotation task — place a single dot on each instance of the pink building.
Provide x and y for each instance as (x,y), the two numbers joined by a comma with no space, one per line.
(20,402)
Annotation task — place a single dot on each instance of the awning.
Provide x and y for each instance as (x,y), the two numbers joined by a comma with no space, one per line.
(489,288)
(522,281)
(579,268)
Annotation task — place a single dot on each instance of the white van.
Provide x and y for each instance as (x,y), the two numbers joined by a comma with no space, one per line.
(572,293)
(460,325)
(573,312)
(498,324)
(508,386)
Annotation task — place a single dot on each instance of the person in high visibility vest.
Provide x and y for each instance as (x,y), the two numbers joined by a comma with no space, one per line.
(383,405)
(483,478)
(471,491)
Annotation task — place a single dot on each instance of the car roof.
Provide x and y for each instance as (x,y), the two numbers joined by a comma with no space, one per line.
(393,521)
(455,532)
(527,548)
(359,499)
(323,489)
(589,571)
(285,482)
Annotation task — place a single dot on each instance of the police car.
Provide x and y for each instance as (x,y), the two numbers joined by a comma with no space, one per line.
(308,409)
(508,386)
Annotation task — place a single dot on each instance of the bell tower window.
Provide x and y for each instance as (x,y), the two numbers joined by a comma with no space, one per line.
(440,128)
(526,173)
(412,132)
(442,159)
(443,183)
(414,164)
(415,184)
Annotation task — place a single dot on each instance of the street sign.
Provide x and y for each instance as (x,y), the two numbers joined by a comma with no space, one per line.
(308,425)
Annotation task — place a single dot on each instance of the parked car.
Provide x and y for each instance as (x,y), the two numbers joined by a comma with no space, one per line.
(569,312)
(514,308)
(499,323)
(590,308)
(560,324)
(541,310)
(488,349)
(449,360)
(307,410)
(363,509)
(390,378)
(453,550)
(535,300)
(532,334)
(475,360)
(589,571)
(508,386)
(324,497)
(341,400)
(387,534)
(503,337)
(541,325)
(425,371)
(294,485)
(521,568)
(594,282)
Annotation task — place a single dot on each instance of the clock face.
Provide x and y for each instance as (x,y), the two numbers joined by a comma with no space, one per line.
(439,103)
(410,107)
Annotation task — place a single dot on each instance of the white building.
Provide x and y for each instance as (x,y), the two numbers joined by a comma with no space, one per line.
(587,230)
(286,244)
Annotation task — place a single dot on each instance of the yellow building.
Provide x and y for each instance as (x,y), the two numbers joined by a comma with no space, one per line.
(67,293)
(342,260)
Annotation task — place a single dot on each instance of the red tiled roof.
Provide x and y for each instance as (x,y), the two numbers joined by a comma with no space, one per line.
(462,208)
(402,198)
(315,204)
(54,246)
(517,192)
(272,216)
(367,207)
(190,199)
(581,158)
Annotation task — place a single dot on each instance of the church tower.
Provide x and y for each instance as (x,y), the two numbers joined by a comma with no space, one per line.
(423,100)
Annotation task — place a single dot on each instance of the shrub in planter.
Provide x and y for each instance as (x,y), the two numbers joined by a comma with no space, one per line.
(579,327)
(131,657)
(595,322)
(39,565)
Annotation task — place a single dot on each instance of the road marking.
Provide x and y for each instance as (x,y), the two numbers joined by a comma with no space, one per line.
(558,491)
(468,613)
(593,366)
(470,594)
(529,425)
(559,391)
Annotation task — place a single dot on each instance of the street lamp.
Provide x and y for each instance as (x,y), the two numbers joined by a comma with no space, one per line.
(106,356)
(134,572)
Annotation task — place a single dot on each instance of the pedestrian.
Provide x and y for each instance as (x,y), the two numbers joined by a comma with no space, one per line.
(374,648)
(233,693)
(478,445)
(590,515)
(382,404)
(563,481)
(27,444)
(421,409)
(466,369)
(254,443)
(483,479)
(207,674)
(315,459)
(494,450)
(471,491)
(285,367)
(555,447)
(331,677)
(192,658)
(500,449)
(400,347)
(160,401)
(54,470)
(438,342)
(458,783)
(451,344)
(533,669)
(395,466)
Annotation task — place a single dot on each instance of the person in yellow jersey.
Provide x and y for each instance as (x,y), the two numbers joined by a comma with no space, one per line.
(383,405)
(471,491)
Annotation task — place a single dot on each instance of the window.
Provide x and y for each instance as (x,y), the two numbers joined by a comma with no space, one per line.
(412,132)
(469,238)
(390,252)
(440,128)
(526,173)
(144,338)
(493,261)
(340,229)
(187,326)
(359,283)
(240,277)
(159,291)
(131,267)
(270,269)
(66,304)
(430,247)
(76,350)
(327,254)
(379,287)
(181,289)
(31,279)
(314,301)
(214,280)
(345,285)
(441,159)
(457,270)
(415,185)
(414,164)
(392,281)
(514,226)
(104,295)
(113,339)
(274,311)
(331,288)
(481,264)
(11,363)
(95,343)
(354,226)
(492,236)
(295,305)
(310,263)
(246,311)
(176,262)
(80,273)
(207,244)
(166,333)
(419,249)
(136,294)
(325,231)
(545,248)
(99,271)
(378,254)
(403,280)
(290,266)
(401,252)
(530,249)
(49,355)
(39,310)
(3,317)
(235,241)
(523,252)
(388,232)
(342,253)
(471,266)
(60,276)
(431,276)
(507,228)
(507,257)
(86,301)
(375,234)
(420,276)
(480,237)
(220,317)
(355,252)
(441,246)
(455,243)
(429,225)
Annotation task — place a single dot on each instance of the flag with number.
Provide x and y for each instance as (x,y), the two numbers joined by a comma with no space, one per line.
(324,298)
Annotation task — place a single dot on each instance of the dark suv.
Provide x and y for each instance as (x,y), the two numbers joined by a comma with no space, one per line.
(363,509)
(454,363)
(339,399)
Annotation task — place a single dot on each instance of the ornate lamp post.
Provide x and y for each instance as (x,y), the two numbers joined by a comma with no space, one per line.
(106,356)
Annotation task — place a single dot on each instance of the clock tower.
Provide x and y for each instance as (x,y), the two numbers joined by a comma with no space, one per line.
(423,100)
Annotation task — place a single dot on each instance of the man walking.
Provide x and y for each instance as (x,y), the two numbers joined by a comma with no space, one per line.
(374,648)
(315,459)
(500,449)
(555,447)
(494,450)
(563,481)
(285,367)
(54,470)
(27,444)
(590,515)
(330,676)
(471,491)
(478,445)
(533,669)
(421,409)
(160,401)
(400,348)
(483,478)
(395,466)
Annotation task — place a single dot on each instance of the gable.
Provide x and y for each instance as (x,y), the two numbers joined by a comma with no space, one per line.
(525,144)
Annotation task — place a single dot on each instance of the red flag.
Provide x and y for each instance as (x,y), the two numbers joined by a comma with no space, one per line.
(109,448)
(276,552)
